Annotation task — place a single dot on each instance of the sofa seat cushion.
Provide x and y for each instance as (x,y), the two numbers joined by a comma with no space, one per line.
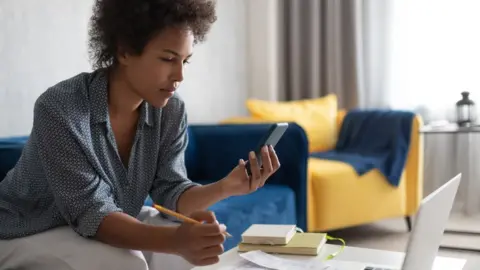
(335,185)
(271,204)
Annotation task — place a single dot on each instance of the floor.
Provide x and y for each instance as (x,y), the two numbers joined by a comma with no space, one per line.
(392,235)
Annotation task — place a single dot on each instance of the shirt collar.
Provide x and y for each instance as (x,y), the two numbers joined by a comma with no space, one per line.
(98,90)
(146,113)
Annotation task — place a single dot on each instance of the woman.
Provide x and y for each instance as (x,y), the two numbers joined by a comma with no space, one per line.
(102,141)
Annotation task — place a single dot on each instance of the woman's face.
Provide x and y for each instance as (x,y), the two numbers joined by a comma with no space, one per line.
(155,74)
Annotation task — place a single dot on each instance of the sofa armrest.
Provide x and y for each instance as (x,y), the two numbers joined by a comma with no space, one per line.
(214,150)
(414,168)
(414,164)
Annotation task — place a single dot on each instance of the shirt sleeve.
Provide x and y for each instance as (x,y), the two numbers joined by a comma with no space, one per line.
(82,197)
(171,178)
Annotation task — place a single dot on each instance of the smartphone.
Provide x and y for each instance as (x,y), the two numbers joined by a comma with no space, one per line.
(272,137)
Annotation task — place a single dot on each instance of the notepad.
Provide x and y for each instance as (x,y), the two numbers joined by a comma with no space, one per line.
(300,244)
(268,234)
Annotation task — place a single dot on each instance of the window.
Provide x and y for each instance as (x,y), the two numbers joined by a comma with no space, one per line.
(435,55)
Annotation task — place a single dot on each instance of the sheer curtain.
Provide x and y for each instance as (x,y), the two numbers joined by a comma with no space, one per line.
(435,55)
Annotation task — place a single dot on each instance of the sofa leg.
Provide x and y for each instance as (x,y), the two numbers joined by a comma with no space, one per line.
(408,220)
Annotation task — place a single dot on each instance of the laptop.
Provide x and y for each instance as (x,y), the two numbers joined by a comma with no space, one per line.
(426,236)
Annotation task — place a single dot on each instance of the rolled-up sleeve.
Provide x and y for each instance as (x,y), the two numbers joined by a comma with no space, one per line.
(82,197)
(171,177)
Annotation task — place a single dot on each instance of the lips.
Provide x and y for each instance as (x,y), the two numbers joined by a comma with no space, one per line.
(170,90)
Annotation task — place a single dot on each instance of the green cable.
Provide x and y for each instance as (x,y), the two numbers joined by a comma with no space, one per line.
(333,255)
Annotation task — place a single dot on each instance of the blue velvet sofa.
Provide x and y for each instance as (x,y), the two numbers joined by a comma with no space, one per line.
(213,150)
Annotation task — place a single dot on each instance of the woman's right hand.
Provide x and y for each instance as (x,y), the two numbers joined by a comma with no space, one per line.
(200,244)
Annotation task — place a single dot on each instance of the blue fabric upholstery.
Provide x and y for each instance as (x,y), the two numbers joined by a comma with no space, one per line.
(272,204)
(212,152)
(374,139)
(10,151)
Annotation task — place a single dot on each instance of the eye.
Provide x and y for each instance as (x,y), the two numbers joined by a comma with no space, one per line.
(166,59)
(186,61)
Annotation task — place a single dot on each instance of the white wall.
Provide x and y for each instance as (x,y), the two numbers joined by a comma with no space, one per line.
(216,81)
(43,42)
(40,44)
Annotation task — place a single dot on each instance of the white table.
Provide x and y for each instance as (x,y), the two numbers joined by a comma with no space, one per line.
(388,258)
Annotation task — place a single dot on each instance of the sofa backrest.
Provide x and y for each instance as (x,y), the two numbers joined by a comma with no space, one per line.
(191,153)
(10,151)
(214,150)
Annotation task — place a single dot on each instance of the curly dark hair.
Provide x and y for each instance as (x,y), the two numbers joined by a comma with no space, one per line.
(132,23)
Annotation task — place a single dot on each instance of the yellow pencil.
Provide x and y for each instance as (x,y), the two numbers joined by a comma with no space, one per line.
(180,216)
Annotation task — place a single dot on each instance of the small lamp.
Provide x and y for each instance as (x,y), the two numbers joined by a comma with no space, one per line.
(465,111)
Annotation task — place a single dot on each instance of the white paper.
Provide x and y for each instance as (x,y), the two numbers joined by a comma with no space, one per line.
(243,265)
(267,261)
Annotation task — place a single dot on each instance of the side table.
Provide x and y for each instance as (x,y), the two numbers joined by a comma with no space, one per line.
(450,150)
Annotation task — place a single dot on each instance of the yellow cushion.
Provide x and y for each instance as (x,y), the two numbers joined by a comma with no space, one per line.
(338,197)
(244,120)
(318,117)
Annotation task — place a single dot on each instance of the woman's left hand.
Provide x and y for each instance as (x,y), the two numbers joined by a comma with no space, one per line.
(238,182)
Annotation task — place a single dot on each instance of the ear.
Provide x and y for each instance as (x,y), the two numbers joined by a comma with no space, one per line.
(123,56)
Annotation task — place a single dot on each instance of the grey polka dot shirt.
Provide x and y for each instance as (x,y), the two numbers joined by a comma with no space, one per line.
(70,172)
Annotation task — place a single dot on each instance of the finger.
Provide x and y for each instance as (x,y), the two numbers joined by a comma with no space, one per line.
(212,251)
(254,168)
(207,216)
(248,167)
(267,164)
(274,158)
(210,229)
(208,261)
(211,241)
(242,165)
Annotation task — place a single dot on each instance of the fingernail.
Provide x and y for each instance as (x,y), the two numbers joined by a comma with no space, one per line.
(216,221)
(265,149)
(252,154)
(223,227)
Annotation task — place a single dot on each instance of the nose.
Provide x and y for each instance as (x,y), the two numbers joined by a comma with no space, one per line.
(177,72)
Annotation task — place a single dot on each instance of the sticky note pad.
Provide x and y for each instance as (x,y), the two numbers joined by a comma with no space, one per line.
(268,234)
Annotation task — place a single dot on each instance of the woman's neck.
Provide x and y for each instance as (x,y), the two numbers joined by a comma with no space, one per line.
(122,99)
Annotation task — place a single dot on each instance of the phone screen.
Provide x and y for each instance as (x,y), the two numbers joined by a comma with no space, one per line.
(272,137)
